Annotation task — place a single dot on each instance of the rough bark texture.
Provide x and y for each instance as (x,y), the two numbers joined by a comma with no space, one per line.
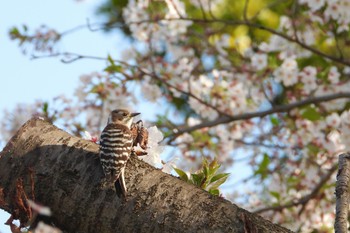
(342,194)
(56,169)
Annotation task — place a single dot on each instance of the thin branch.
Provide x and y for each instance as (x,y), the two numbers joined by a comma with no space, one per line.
(245,10)
(230,22)
(338,46)
(87,25)
(295,30)
(77,28)
(224,118)
(72,57)
(305,199)
(261,144)
(202,9)
(342,194)
(257,26)
(275,32)
(276,109)
(211,10)
(190,94)
(177,10)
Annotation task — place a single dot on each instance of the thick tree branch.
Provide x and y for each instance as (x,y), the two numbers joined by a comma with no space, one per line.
(342,193)
(51,167)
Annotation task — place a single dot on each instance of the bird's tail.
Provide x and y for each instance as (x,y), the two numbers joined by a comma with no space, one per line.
(120,186)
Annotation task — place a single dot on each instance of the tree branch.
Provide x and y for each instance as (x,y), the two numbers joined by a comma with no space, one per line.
(305,199)
(63,172)
(245,116)
(257,26)
(342,194)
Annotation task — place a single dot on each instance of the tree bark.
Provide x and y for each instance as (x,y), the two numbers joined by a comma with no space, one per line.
(342,193)
(49,166)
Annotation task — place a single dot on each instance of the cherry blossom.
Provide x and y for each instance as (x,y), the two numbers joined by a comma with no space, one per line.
(333,75)
(259,61)
(154,149)
(308,78)
(288,72)
(313,4)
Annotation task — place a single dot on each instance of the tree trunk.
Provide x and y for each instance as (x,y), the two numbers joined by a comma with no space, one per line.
(49,166)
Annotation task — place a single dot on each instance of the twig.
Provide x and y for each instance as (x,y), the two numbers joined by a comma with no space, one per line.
(245,10)
(295,31)
(175,7)
(342,194)
(189,93)
(305,199)
(202,9)
(210,10)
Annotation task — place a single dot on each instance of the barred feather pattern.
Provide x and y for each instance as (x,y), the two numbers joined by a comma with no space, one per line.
(115,148)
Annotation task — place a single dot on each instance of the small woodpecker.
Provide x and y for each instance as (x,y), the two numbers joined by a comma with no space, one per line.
(116,144)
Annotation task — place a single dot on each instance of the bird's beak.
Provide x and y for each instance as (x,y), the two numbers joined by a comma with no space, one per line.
(134,114)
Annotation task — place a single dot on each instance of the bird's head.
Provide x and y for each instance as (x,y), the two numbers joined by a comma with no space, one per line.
(121,116)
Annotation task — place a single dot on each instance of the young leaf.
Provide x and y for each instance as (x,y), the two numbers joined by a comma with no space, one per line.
(311,114)
(275,194)
(110,59)
(216,184)
(181,173)
(45,107)
(214,192)
(263,167)
(213,167)
(114,68)
(197,179)
(274,121)
(219,176)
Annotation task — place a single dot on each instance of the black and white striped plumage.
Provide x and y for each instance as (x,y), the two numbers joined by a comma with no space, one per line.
(115,147)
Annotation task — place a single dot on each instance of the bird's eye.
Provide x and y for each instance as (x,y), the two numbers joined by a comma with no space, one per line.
(125,114)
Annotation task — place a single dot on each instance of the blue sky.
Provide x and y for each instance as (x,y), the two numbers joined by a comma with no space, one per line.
(24,80)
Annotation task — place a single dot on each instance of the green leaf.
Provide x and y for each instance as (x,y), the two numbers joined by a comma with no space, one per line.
(219,176)
(114,68)
(263,167)
(205,170)
(214,192)
(213,167)
(274,121)
(311,114)
(110,59)
(14,31)
(275,194)
(45,107)
(216,184)
(181,173)
(197,179)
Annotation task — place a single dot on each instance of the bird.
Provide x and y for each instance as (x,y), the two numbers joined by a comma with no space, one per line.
(116,144)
